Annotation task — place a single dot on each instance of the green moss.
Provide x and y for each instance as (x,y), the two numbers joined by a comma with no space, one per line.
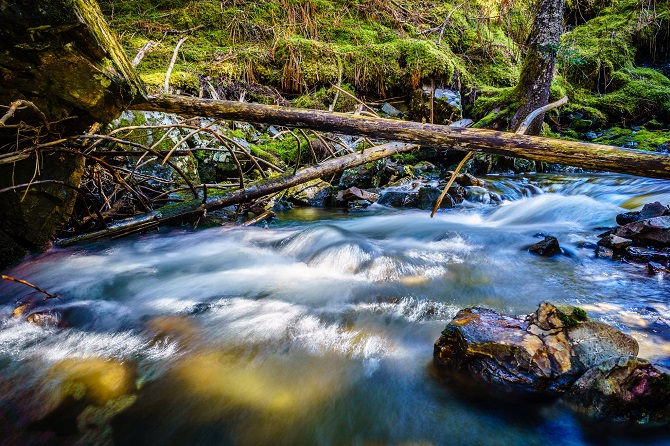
(641,138)
(574,317)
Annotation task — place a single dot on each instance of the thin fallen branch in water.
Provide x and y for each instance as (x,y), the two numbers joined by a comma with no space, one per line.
(451,181)
(23,282)
(259,218)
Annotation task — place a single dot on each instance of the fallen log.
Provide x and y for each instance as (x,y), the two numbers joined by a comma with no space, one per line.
(548,150)
(196,208)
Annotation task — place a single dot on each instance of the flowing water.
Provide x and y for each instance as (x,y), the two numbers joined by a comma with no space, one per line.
(319,329)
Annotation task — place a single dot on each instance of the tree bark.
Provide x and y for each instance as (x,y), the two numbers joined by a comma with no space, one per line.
(538,66)
(572,153)
(61,56)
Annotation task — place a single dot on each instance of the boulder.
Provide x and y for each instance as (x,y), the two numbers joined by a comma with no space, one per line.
(313,193)
(651,210)
(654,230)
(623,388)
(466,179)
(427,198)
(656,268)
(615,242)
(399,199)
(547,247)
(427,170)
(627,217)
(45,318)
(477,194)
(544,352)
(354,193)
(446,105)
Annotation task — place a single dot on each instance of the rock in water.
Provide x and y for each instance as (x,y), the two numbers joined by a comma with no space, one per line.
(547,247)
(654,230)
(624,389)
(545,351)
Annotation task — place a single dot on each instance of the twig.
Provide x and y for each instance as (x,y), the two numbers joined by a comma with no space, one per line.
(23,103)
(12,279)
(523,128)
(166,87)
(309,145)
(143,52)
(451,181)
(346,93)
(443,27)
(264,216)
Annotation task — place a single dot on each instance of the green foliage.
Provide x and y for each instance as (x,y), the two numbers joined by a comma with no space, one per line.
(642,139)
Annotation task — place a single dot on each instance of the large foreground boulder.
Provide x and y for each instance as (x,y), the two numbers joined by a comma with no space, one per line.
(546,351)
(557,351)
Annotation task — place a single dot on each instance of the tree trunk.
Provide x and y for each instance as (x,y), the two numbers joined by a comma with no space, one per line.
(538,66)
(62,57)
(572,153)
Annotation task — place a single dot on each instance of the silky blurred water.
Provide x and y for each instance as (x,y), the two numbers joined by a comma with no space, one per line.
(320,328)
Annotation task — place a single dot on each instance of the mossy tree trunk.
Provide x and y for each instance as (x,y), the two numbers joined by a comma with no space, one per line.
(61,56)
(538,67)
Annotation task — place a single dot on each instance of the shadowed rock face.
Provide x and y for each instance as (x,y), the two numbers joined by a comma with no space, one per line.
(624,389)
(545,351)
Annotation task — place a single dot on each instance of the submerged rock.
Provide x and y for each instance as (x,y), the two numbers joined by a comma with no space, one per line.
(623,388)
(545,351)
(547,247)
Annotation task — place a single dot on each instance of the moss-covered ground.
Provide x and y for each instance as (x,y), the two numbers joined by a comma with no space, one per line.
(612,61)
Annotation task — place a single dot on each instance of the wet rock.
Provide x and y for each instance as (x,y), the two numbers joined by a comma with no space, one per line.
(313,193)
(374,174)
(654,230)
(624,388)
(643,255)
(614,242)
(651,210)
(545,351)
(603,252)
(83,396)
(357,205)
(656,268)
(391,111)
(354,193)
(547,247)
(45,318)
(427,198)
(399,199)
(477,194)
(427,170)
(466,179)
(462,123)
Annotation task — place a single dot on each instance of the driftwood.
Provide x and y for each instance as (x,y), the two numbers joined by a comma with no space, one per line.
(195,208)
(579,154)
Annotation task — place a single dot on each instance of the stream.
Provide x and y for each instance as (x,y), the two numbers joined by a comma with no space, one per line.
(319,329)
